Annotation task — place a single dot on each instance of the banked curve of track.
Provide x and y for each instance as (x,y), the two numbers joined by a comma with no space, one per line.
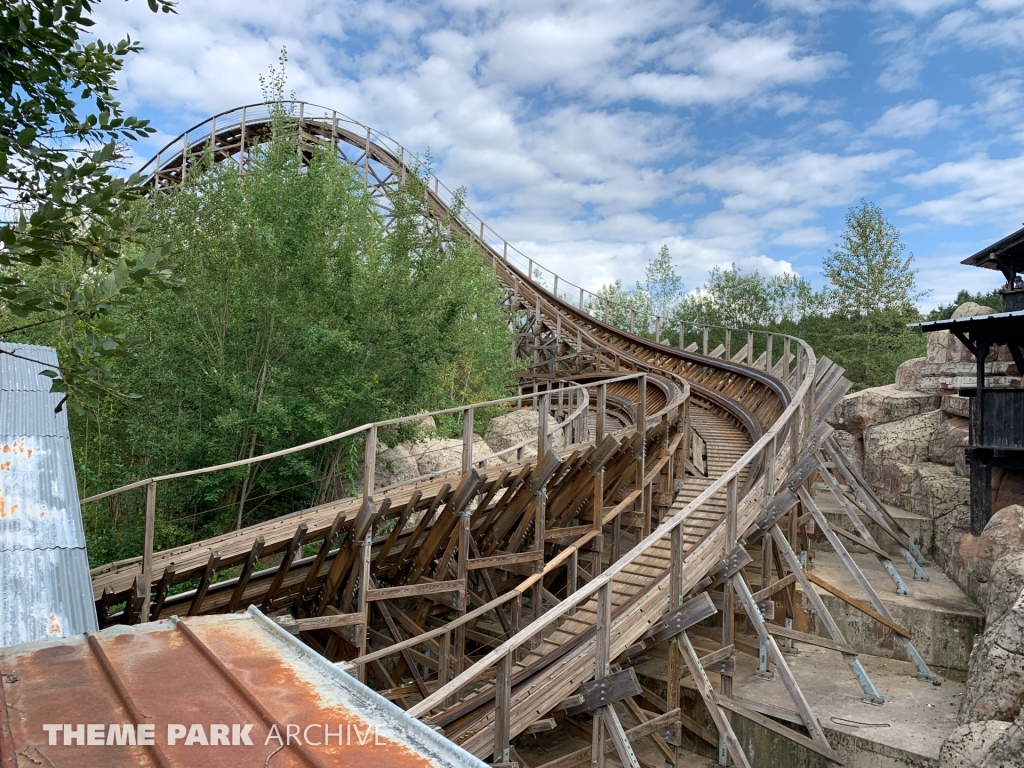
(751,415)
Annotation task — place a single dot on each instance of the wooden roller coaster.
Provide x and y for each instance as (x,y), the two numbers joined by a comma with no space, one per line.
(663,497)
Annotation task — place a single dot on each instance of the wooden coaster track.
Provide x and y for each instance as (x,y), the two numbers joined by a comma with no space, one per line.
(505,594)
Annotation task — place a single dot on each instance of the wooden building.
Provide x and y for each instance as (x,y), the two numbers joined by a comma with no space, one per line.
(997,412)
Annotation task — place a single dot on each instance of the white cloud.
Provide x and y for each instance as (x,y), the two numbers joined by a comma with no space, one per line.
(915,7)
(544,112)
(913,119)
(987,190)
(803,237)
(802,178)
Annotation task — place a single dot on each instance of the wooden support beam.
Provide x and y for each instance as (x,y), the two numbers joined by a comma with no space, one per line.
(607,690)
(246,574)
(286,562)
(416,590)
(775,727)
(867,610)
(633,734)
(330,621)
(165,583)
(505,559)
(707,693)
(804,637)
(204,584)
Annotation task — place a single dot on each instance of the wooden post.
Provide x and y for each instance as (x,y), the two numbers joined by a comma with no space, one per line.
(369,462)
(555,289)
(641,467)
(750,347)
(603,650)
(504,251)
(165,583)
(657,329)
(444,664)
(682,335)
(241,147)
(366,161)
(602,405)
(581,299)
(728,343)
(365,546)
(606,310)
(542,425)
(674,601)
(204,585)
(705,340)
(572,577)
(243,577)
(732,534)
(147,546)
(502,709)
(768,352)
(467,439)
(462,574)
(632,320)
(286,562)
(728,626)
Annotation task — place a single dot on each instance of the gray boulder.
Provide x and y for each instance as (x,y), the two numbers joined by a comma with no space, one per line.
(862,410)
(949,437)
(971,745)
(892,449)
(995,677)
(1006,580)
(1003,535)
(513,428)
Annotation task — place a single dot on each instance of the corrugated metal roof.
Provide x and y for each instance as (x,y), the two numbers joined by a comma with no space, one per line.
(45,589)
(50,604)
(969,323)
(1010,248)
(23,375)
(34,415)
(38,495)
(231,670)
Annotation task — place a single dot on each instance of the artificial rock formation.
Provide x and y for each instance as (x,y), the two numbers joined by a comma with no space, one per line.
(995,679)
(513,428)
(909,439)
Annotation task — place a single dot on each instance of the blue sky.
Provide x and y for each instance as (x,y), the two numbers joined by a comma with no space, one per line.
(590,133)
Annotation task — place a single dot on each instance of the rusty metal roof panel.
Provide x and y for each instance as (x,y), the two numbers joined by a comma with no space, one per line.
(231,671)
(39,506)
(22,373)
(48,603)
(45,589)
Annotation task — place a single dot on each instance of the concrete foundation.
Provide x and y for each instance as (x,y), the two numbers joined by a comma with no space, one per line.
(905,732)
(942,621)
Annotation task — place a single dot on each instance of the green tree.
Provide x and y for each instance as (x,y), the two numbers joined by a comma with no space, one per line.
(663,285)
(305,312)
(872,283)
(61,135)
(623,308)
(867,269)
(993,299)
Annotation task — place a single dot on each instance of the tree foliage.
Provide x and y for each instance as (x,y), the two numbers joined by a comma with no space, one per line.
(305,311)
(993,299)
(858,319)
(867,270)
(61,139)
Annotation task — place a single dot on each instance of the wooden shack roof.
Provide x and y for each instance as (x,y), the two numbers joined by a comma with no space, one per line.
(1007,252)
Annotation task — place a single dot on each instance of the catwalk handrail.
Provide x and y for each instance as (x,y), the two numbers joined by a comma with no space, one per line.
(564,608)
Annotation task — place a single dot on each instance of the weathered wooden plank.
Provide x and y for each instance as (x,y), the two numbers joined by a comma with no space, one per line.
(416,590)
